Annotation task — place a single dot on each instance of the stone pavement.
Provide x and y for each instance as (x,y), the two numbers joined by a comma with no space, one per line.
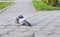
(45,23)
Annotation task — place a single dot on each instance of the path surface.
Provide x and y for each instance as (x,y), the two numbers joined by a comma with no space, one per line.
(47,23)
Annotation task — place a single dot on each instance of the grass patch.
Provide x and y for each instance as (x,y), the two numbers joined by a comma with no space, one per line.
(39,5)
(4,4)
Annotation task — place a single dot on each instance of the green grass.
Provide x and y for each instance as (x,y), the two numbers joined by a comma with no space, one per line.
(4,4)
(39,5)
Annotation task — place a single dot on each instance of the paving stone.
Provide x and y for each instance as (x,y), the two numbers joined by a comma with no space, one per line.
(46,32)
(49,19)
(40,35)
(6,24)
(42,18)
(58,26)
(22,28)
(57,20)
(55,35)
(0,23)
(2,31)
(1,27)
(48,29)
(7,29)
(57,30)
(19,34)
(34,29)
(12,26)
(12,35)
(29,34)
